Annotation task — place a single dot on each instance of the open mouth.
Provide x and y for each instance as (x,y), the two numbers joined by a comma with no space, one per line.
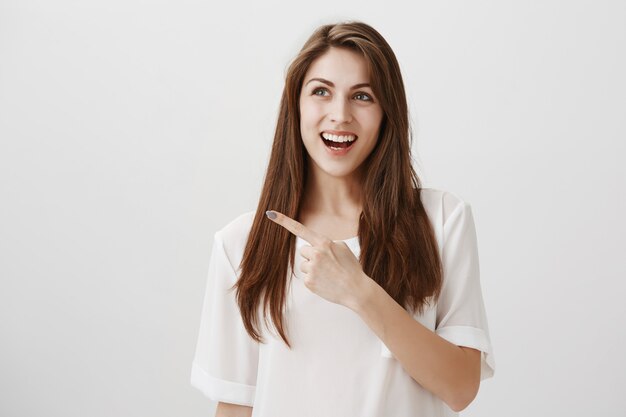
(338,145)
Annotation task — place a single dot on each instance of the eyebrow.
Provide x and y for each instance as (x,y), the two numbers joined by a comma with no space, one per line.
(330,83)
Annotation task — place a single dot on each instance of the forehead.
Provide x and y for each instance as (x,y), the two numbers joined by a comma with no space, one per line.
(341,66)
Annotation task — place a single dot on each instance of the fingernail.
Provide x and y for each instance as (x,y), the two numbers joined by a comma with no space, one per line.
(270,214)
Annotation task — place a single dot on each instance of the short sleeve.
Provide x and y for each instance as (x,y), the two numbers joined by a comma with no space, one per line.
(225,363)
(461,317)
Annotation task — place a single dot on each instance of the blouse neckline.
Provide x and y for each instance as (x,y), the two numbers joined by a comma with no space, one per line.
(350,240)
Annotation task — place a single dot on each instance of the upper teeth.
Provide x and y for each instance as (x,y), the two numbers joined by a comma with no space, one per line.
(335,138)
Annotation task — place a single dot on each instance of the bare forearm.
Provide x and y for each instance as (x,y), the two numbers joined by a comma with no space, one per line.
(232,410)
(439,366)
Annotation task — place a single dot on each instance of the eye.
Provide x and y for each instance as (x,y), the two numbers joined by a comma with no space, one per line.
(364,94)
(318,89)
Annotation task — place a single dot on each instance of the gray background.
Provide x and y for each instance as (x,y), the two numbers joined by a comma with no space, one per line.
(132,130)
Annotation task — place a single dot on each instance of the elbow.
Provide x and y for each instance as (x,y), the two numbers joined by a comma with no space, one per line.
(458,407)
(465,386)
(463,398)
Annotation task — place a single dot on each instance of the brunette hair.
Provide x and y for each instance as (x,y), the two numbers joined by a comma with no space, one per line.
(398,246)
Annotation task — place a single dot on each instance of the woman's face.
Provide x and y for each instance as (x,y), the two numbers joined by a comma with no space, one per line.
(336,99)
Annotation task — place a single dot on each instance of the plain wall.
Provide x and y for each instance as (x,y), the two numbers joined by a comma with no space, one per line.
(130,131)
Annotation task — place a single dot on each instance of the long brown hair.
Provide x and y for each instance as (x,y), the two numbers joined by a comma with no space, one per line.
(398,246)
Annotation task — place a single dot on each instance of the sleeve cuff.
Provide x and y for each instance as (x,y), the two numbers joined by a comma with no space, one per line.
(472,337)
(221,390)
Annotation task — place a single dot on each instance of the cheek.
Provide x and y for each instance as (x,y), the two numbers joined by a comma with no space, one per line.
(309,123)
(374,119)
(310,110)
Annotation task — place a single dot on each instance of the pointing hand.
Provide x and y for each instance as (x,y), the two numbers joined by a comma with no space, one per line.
(330,268)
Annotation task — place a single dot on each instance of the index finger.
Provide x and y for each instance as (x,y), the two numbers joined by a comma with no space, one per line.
(296,227)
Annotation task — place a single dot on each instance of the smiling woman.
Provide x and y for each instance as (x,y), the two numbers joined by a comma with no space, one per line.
(341,103)
(374,278)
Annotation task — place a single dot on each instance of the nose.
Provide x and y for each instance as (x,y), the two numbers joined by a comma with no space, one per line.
(340,111)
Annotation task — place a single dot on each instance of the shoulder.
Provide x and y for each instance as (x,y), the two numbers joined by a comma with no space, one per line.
(441,204)
(238,227)
(233,236)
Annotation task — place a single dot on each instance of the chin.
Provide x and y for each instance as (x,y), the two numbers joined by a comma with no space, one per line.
(337,172)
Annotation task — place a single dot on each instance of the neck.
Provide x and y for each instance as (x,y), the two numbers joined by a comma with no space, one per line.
(332,196)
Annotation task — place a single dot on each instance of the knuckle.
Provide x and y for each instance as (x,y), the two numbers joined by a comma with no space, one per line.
(308,281)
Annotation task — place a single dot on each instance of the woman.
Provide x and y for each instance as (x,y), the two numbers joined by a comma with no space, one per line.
(371,281)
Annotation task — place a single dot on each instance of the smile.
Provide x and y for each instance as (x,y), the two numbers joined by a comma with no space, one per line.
(337,145)
(338,142)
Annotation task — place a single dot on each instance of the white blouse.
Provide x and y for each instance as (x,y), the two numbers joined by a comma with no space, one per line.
(337,366)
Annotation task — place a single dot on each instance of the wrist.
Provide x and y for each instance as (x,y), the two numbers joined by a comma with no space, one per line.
(363,294)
